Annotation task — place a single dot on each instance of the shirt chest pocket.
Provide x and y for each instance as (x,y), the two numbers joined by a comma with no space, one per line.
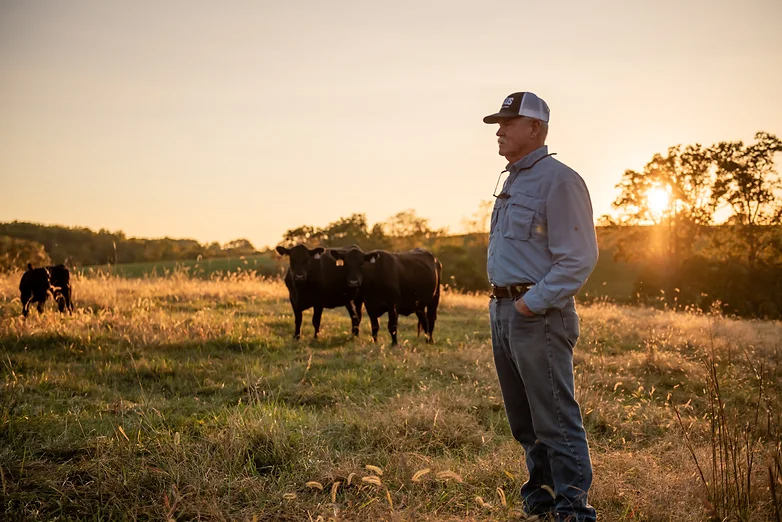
(524,217)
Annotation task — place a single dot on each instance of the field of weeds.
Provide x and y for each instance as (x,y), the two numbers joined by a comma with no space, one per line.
(179,398)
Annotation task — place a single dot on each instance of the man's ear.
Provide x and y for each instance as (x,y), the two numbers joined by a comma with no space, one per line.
(283,251)
(537,128)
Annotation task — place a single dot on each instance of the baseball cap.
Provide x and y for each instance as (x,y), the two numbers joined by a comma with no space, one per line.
(520,104)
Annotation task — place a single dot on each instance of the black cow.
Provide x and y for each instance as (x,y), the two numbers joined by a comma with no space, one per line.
(314,280)
(38,283)
(397,283)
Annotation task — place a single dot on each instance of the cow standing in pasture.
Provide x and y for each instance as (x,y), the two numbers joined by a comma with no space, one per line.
(314,280)
(399,283)
(37,283)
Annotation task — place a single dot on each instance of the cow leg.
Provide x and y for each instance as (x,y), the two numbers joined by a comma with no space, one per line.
(431,317)
(358,304)
(68,303)
(41,299)
(393,322)
(297,321)
(26,298)
(375,325)
(60,298)
(422,324)
(317,312)
(354,317)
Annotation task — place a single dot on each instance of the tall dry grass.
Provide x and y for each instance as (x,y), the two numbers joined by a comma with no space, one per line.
(188,399)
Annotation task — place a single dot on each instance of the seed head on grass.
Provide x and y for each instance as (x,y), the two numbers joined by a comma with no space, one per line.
(482,503)
(420,473)
(372,479)
(501,494)
(314,484)
(548,490)
(449,475)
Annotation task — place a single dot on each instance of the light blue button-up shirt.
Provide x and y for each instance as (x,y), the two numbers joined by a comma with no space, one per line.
(543,233)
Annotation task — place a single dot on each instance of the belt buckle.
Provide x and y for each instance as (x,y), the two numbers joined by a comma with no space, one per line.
(520,290)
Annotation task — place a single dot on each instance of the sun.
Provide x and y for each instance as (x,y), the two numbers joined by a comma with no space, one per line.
(658,201)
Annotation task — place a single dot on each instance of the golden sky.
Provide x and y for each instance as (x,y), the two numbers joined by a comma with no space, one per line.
(220,120)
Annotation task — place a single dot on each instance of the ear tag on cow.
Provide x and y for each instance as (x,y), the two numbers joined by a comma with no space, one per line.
(340,262)
(373,260)
(317,256)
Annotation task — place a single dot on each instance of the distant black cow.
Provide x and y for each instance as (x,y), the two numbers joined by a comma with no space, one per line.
(38,283)
(314,280)
(397,283)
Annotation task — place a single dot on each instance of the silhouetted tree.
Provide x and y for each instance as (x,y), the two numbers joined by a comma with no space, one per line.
(748,182)
(239,247)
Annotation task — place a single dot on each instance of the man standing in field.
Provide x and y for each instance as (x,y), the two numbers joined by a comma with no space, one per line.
(542,248)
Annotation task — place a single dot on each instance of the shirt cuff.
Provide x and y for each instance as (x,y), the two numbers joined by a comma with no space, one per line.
(534,301)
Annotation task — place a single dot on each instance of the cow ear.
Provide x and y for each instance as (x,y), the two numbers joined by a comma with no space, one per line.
(336,254)
(283,251)
(316,252)
(371,257)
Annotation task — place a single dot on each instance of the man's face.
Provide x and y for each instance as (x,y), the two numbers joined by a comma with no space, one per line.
(515,137)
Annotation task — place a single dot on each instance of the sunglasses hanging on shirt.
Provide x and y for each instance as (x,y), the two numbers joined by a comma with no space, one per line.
(505,195)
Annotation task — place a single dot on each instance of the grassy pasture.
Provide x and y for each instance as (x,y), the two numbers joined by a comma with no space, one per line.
(266,264)
(183,398)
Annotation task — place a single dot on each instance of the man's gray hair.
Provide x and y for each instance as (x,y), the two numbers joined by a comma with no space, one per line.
(543,130)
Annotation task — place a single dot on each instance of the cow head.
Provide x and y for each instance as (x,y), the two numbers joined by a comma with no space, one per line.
(354,261)
(300,257)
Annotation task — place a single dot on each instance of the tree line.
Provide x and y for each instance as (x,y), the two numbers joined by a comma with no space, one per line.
(22,242)
(717,240)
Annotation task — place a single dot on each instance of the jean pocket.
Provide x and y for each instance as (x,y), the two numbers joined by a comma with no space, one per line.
(570,324)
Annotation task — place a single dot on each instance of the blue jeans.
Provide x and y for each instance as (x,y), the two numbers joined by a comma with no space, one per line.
(534,361)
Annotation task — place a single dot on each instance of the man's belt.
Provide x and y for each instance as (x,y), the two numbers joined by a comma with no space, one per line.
(511,291)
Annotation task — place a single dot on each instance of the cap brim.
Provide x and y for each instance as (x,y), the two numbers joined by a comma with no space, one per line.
(499,116)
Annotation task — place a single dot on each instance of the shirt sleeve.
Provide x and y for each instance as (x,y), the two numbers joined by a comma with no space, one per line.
(573,245)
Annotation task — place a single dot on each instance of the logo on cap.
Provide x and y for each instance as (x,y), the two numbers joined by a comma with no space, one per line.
(508,102)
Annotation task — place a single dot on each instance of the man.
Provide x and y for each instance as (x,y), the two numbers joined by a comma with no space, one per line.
(542,248)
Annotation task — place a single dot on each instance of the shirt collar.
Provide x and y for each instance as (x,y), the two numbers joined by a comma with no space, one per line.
(527,160)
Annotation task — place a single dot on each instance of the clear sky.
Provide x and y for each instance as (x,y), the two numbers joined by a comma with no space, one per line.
(221,120)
